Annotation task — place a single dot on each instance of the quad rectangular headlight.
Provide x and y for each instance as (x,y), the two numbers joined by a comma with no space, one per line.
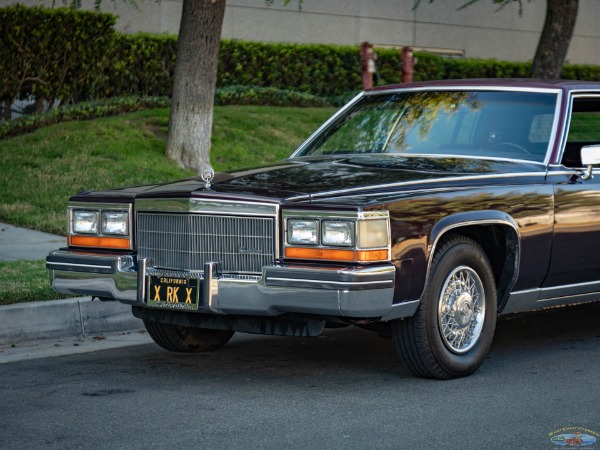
(338,233)
(85,222)
(115,223)
(348,236)
(303,232)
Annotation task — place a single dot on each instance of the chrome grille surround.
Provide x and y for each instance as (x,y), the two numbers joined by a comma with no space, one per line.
(183,234)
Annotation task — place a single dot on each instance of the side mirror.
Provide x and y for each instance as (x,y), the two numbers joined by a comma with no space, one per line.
(590,156)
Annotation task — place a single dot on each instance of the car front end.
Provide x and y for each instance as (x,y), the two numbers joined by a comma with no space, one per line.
(228,257)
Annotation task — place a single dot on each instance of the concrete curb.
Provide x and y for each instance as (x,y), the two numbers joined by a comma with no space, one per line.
(73,317)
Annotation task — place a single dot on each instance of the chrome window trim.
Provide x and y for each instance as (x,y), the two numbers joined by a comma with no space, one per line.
(465,87)
(418,155)
(564,172)
(579,93)
(417,182)
(557,108)
(318,131)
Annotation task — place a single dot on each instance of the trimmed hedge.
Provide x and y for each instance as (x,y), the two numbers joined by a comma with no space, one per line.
(80,111)
(141,64)
(266,96)
(232,95)
(53,53)
(324,70)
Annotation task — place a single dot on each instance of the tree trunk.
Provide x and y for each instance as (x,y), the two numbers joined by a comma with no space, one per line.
(190,124)
(556,36)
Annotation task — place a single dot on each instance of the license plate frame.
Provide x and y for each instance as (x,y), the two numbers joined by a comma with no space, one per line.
(172,292)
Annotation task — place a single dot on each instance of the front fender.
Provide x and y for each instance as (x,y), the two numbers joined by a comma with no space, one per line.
(469,223)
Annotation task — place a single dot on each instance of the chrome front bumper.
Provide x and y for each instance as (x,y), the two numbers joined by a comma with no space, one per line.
(365,292)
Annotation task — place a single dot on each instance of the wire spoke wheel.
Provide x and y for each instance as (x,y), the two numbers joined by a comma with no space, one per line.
(451,332)
(461,309)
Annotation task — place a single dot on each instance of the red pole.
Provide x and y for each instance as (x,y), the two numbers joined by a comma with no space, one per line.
(407,65)
(367,65)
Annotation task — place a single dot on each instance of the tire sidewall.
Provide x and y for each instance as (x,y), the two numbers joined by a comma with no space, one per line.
(460,254)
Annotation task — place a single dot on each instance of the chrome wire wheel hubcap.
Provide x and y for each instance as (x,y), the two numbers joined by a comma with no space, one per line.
(461,309)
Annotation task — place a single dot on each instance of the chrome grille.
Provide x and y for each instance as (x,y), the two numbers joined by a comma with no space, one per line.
(187,241)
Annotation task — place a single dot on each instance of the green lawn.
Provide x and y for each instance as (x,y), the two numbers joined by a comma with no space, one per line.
(42,169)
(25,281)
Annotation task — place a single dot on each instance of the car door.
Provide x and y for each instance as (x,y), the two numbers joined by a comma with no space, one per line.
(575,262)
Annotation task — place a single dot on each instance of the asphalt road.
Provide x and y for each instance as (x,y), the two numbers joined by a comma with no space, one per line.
(345,389)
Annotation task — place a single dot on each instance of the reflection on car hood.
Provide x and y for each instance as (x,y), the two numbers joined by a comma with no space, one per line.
(306,177)
(321,175)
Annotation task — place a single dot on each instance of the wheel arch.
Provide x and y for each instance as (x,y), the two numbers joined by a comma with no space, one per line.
(498,235)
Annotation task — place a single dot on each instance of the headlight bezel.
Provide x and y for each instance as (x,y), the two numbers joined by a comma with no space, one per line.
(101,236)
(357,249)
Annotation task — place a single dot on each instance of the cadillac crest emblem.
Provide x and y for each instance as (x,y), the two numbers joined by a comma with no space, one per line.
(207,174)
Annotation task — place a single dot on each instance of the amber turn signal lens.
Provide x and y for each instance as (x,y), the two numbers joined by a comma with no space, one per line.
(372,255)
(335,255)
(98,242)
(319,253)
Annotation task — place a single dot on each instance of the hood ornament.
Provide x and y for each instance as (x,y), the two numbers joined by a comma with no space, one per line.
(207,174)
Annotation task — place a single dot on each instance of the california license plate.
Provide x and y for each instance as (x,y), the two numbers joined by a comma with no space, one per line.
(173,292)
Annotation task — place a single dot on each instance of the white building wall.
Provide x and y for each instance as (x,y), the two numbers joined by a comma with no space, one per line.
(479,31)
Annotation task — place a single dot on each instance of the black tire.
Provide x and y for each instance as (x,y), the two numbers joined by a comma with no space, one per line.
(451,333)
(176,338)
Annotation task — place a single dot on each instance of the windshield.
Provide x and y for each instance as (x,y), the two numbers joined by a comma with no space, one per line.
(512,125)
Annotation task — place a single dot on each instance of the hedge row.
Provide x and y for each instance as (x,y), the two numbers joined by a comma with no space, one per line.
(144,64)
(76,55)
(53,52)
(231,95)
(79,111)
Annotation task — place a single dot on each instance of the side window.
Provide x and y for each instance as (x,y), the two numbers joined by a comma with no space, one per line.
(584,129)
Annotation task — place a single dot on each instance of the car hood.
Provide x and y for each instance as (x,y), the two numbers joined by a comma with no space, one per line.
(304,178)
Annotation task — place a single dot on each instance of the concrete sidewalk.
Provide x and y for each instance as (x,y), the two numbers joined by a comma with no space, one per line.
(20,243)
(54,319)
(77,317)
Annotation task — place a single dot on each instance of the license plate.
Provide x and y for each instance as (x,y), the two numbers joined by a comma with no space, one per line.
(173,292)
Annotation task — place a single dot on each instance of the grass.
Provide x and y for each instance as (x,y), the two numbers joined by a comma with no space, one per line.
(25,281)
(584,126)
(42,169)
